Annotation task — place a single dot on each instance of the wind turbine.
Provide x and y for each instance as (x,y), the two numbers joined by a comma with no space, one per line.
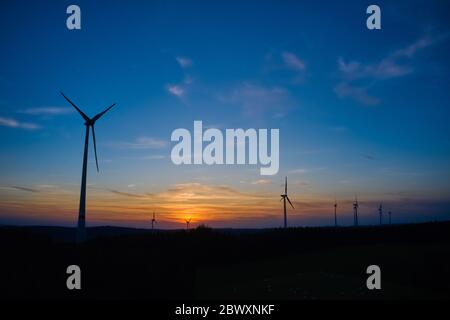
(89,123)
(380,212)
(390,218)
(335,214)
(285,197)
(153,220)
(355,211)
(188,221)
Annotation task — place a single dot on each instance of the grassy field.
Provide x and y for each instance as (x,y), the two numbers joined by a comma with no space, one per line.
(298,263)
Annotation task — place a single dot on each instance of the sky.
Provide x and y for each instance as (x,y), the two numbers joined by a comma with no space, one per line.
(360,112)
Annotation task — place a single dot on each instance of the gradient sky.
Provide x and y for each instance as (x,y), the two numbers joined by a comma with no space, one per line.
(359,111)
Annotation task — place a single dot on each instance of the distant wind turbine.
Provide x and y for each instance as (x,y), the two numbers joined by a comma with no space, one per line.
(89,123)
(153,220)
(355,211)
(380,212)
(390,218)
(285,197)
(335,213)
(188,221)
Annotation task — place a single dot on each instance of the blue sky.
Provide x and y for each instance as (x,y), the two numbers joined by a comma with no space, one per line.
(359,111)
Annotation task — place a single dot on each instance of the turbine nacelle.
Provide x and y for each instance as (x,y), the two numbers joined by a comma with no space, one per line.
(90,122)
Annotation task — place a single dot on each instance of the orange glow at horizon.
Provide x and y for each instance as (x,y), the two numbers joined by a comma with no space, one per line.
(212,205)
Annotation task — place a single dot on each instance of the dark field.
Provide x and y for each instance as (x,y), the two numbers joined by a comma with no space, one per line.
(298,263)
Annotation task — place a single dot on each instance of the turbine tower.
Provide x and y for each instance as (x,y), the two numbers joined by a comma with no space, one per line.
(390,218)
(89,123)
(188,221)
(153,220)
(380,212)
(335,213)
(355,211)
(285,197)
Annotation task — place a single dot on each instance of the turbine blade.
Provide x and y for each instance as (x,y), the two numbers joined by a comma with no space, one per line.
(95,147)
(102,113)
(85,117)
(281,198)
(290,202)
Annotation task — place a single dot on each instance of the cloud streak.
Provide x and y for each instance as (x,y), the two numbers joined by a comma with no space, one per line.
(179,90)
(359,94)
(13,123)
(27,189)
(184,62)
(397,64)
(292,61)
(129,194)
(262,182)
(176,90)
(257,100)
(47,111)
(142,143)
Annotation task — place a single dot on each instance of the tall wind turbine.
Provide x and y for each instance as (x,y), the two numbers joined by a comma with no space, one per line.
(380,212)
(153,220)
(335,213)
(188,221)
(285,197)
(89,123)
(355,211)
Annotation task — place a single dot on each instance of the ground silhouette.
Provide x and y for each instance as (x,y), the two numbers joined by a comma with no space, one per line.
(204,263)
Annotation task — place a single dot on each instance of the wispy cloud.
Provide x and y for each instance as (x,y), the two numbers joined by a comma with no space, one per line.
(359,94)
(13,123)
(141,143)
(45,189)
(184,62)
(421,43)
(385,69)
(27,189)
(180,89)
(262,182)
(292,61)
(394,65)
(306,170)
(47,111)
(129,194)
(176,90)
(257,100)
(195,191)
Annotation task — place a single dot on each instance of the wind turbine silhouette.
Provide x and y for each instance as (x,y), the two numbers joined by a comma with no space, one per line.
(335,213)
(285,197)
(355,211)
(89,123)
(390,218)
(188,221)
(380,212)
(153,220)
